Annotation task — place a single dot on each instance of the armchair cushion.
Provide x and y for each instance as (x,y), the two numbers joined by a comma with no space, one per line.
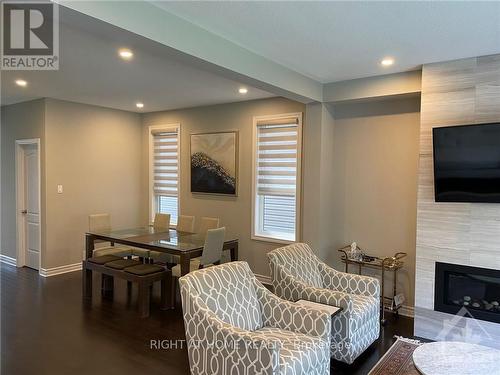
(298,261)
(231,295)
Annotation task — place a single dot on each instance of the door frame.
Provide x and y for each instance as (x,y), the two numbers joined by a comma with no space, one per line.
(20,195)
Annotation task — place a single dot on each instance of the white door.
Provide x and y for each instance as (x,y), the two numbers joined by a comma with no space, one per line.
(31,211)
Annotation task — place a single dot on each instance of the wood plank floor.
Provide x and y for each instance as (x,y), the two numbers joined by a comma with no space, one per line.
(46,328)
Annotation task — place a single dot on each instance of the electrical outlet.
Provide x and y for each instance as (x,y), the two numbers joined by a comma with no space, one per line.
(59,189)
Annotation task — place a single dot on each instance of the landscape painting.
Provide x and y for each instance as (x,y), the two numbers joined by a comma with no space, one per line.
(214,163)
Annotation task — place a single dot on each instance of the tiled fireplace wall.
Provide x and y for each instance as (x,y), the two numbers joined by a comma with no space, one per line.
(454,93)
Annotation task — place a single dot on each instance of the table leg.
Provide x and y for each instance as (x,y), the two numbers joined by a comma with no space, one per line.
(234,252)
(394,289)
(87,282)
(89,246)
(185,266)
(143,299)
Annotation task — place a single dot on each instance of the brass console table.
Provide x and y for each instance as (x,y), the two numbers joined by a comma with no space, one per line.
(387,264)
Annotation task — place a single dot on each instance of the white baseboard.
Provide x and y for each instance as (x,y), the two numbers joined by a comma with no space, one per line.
(8,260)
(47,272)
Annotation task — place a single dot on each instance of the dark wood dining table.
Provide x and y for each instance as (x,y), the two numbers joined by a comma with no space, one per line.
(170,241)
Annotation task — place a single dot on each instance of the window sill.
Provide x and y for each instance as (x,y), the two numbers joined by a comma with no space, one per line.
(271,239)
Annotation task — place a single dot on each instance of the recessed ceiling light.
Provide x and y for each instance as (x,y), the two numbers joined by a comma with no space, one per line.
(388,61)
(243,90)
(139,105)
(126,54)
(21,82)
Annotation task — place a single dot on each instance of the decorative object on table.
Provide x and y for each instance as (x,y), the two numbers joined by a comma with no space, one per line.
(393,264)
(355,252)
(214,163)
(398,359)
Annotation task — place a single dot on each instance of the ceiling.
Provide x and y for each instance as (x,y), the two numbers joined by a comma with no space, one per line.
(91,72)
(335,41)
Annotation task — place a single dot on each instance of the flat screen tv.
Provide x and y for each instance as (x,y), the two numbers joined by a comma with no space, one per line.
(467,163)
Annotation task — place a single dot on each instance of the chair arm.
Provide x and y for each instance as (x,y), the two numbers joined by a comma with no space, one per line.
(349,283)
(246,352)
(289,316)
(300,290)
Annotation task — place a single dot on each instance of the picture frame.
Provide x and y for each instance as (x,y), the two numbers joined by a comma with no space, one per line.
(214,163)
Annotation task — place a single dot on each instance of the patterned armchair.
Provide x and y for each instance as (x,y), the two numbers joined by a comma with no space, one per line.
(298,274)
(234,325)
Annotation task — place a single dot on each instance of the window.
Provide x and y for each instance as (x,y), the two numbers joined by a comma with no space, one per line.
(164,167)
(276,188)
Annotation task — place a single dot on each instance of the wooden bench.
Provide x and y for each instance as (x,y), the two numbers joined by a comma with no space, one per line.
(144,283)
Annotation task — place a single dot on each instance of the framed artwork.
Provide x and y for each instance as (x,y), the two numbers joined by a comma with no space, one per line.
(214,163)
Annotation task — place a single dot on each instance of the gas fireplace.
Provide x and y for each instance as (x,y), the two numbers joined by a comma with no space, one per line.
(476,289)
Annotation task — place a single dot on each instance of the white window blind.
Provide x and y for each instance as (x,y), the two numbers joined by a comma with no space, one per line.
(166,172)
(276,178)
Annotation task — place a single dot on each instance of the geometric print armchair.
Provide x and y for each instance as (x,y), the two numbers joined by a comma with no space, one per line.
(297,273)
(234,325)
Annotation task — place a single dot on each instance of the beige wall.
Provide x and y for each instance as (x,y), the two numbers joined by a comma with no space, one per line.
(18,121)
(234,212)
(95,153)
(375,160)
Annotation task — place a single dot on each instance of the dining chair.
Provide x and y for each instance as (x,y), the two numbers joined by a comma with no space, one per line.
(207,223)
(161,221)
(211,255)
(102,223)
(185,223)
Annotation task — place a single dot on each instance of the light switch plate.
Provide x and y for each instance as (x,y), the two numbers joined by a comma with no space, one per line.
(59,189)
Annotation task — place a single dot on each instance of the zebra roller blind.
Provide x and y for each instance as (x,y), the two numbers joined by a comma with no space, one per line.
(277,177)
(166,171)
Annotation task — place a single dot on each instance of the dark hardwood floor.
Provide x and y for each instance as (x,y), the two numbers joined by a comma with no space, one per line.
(46,328)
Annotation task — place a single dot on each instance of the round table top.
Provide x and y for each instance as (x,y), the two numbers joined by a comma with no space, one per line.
(452,358)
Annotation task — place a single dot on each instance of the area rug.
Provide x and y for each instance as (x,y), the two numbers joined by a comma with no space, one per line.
(398,359)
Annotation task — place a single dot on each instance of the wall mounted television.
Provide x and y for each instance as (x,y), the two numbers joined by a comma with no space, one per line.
(467,163)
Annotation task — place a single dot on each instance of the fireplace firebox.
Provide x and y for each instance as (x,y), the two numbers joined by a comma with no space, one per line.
(476,289)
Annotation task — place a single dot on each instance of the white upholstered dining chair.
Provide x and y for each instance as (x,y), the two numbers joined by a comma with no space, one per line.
(207,223)
(102,223)
(185,223)
(160,222)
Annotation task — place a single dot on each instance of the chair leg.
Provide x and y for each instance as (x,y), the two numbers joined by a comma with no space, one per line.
(143,300)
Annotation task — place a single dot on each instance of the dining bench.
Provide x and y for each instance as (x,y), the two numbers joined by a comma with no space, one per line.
(145,275)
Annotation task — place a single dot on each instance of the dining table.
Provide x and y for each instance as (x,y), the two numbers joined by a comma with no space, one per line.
(170,241)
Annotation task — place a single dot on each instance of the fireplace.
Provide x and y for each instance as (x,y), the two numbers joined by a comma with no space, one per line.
(476,289)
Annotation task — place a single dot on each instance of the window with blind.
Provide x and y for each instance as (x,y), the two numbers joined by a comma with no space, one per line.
(165,171)
(277,177)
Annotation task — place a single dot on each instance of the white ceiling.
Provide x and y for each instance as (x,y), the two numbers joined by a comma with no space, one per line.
(334,41)
(91,72)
